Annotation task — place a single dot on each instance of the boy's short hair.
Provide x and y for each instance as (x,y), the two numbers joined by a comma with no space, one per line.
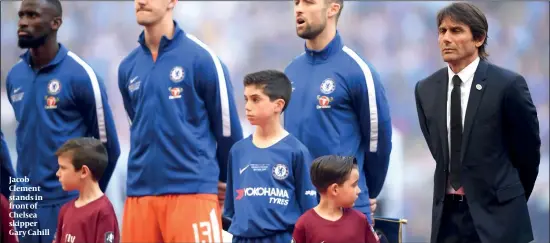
(275,84)
(330,169)
(86,151)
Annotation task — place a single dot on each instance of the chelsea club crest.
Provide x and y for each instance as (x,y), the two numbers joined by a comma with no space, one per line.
(54,86)
(328,86)
(280,171)
(177,74)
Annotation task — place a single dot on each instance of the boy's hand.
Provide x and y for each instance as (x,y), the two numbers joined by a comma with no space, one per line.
(221,193)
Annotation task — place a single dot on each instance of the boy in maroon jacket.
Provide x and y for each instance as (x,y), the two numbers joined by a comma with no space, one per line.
(90,218)
(334,219)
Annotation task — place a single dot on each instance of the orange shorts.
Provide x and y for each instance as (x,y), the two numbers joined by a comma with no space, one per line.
(172,218)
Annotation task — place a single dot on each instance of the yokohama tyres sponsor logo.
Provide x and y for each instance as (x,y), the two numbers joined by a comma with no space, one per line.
(276,195)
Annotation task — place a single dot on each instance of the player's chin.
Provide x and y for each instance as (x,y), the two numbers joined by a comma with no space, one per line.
(63,186)
(450,57)
(301,32)
(25,42)
(351,205)
(67,186)
(253,120)
(144,20)
(305,34)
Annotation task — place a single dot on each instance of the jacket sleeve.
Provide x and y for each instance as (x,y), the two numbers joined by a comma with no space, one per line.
(123,88)
(372,109)
(228,205)
(521,121)
(6,167)
(305,191)
(217,93)
(422,119)
(91,98)
(8,89)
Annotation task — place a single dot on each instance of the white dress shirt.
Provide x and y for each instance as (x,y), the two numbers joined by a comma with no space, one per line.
(467,77)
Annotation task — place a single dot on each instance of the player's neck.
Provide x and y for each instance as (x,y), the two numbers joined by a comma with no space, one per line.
(328,210)
(155,32)
(44,54)
(321,41)
(269,133)
(459,65)
(89,192)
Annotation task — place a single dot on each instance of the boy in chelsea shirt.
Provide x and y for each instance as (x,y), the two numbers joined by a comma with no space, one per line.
(268,183)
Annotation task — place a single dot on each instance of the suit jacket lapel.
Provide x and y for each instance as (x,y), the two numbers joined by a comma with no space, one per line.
(476,93)
(442,90)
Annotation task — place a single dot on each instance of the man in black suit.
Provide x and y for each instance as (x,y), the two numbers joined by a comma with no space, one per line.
(482,129)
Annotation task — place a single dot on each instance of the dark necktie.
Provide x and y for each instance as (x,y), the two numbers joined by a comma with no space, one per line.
(456,132)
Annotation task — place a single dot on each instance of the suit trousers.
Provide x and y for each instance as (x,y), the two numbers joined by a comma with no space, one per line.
(457,225)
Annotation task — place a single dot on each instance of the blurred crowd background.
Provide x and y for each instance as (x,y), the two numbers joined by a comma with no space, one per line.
(399,38)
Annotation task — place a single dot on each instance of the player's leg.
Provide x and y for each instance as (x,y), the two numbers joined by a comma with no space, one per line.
(191,218)
(139,223)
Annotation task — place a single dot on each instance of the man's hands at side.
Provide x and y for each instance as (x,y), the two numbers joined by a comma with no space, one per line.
(372,208)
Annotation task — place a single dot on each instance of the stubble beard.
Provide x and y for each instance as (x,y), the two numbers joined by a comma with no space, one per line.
(310,32)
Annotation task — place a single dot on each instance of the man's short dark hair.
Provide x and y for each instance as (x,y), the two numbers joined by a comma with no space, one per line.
(86,151)
(275,84)
(56,4)
(330,169)
(470,15)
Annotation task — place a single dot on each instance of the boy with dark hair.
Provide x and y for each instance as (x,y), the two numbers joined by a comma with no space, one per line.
(90,217)
(268,184)
(336,179)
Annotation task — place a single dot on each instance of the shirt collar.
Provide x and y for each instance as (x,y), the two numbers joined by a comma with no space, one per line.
(61,54)
(165,42)
(333,47)
(466,74)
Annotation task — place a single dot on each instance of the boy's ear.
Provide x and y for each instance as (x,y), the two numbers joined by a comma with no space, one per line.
(280,105)
(332,189)
(85,171)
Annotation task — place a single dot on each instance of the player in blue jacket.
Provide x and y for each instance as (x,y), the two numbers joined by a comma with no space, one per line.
(6,168)
(55,96)
(268,182)
(179,99)
(340,106)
